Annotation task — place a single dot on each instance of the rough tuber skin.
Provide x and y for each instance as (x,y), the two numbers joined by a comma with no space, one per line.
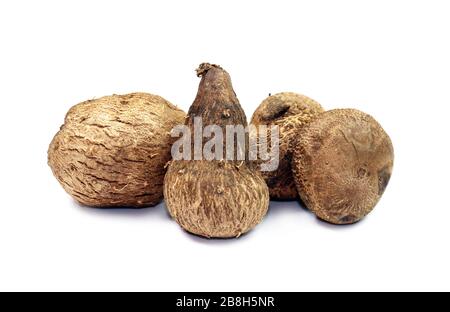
(290,111)
(342,164)
(111,151)
(218,198)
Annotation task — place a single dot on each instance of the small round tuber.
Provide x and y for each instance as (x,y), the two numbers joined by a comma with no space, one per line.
(342,163)
(111,151)
(289,111)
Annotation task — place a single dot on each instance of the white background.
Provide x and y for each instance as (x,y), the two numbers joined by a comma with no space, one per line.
(388,58)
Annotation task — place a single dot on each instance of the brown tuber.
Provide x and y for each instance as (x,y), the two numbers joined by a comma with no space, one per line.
(289,111)
(112,151)
(342,164)
(216,198)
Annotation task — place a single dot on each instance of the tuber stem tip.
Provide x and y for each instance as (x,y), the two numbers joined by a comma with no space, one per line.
(204,67)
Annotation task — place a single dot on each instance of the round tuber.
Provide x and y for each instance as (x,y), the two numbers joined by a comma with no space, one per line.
(111,151)
(342,164)
(289,111)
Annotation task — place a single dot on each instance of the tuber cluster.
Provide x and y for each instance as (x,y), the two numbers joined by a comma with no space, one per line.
(120,151)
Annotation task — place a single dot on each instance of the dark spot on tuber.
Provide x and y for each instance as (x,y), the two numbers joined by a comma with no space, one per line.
(384,176)
(226,114)
(275,111)
(348,219)
(363,172)
(271,182)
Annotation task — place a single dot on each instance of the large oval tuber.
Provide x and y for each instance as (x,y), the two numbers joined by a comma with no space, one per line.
(111,152)
(342,164)
(289,111)
(216,198)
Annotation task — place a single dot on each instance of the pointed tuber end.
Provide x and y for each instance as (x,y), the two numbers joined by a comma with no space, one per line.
(204,67)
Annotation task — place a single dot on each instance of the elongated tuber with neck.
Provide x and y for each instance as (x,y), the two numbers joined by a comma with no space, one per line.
(219,198)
